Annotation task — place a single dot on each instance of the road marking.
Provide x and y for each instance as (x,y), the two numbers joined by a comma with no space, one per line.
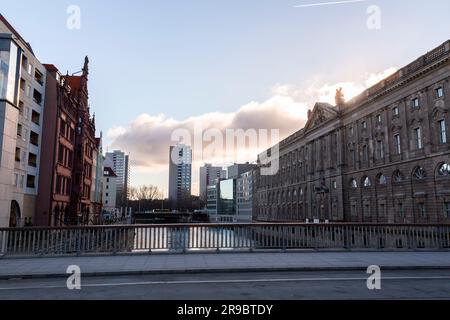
(308,5)
(223,281)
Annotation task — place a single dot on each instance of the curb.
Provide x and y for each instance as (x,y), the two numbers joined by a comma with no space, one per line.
(216,270)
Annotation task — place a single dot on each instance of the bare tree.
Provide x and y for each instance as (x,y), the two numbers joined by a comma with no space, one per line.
(133,193)
(148,192)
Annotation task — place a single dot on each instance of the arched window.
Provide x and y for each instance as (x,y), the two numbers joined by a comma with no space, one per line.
(381,179)
(398,176)
(419,173)
(353,184)
(366,182)
(444,170)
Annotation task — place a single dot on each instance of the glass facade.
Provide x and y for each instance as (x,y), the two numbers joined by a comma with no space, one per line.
(9,72)
(227,196)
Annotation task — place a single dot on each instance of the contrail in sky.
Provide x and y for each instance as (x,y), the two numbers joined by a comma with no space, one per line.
(327,3)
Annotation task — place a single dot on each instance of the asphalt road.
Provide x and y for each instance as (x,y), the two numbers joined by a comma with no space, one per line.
(434,284)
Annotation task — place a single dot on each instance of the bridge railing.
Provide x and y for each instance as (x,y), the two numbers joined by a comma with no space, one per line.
(220,237)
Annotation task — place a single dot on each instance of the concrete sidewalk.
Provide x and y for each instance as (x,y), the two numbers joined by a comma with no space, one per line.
(223,262)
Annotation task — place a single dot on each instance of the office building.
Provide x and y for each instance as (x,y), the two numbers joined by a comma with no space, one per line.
(180,166)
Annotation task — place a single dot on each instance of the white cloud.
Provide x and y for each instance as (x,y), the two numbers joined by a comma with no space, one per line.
(147,138)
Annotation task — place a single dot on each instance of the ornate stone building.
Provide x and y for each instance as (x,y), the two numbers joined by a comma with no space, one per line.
(383,156)
(69,145)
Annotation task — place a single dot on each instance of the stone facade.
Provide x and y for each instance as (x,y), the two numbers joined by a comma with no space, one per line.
(382,157)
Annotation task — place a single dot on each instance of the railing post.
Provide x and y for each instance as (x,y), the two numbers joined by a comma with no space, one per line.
(78,242)
(252,245)
(4,242)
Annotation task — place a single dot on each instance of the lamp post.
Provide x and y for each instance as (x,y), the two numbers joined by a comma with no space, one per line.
(322,191)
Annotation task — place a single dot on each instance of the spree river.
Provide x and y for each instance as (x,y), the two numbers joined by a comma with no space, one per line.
(190,238)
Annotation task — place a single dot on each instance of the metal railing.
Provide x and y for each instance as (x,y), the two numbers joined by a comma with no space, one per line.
(219,237)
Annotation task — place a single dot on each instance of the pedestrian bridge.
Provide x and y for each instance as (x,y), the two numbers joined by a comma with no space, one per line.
(200,238)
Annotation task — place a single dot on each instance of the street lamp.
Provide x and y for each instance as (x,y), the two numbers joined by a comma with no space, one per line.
(322,191)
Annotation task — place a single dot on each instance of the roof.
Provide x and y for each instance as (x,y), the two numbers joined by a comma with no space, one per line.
(74,82)
(109,172)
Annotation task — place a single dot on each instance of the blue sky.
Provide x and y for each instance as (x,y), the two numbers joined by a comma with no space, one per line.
(190,57)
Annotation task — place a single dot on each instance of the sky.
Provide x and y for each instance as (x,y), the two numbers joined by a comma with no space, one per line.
(161,65)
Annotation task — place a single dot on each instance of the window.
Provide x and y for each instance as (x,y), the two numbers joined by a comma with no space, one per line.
(397,144)
(32,160)
(422,209)
(380,149)
(353,210)
(382,179)
(367,209)
(444,170)
(365,154)
(30,69)
(401,209)
(19,130)
(364,125)
(35,117)
(37,96)
(351,130)
(398,176)
(34,138)
(442,132)
(439,92)
(353,184)
(418,138)
(415,104)
(396,111)
(31,181)
(17,156)
(446,208)
(379,120)
(419,173)
(366,182)
(334,184)
(38,77)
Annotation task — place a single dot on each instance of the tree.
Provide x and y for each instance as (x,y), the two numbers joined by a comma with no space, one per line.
(148,192)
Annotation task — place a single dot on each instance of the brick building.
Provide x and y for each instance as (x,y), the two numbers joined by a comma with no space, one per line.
(383,156)
(68,149)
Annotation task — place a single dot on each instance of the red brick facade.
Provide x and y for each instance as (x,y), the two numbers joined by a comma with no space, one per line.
(68,145)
